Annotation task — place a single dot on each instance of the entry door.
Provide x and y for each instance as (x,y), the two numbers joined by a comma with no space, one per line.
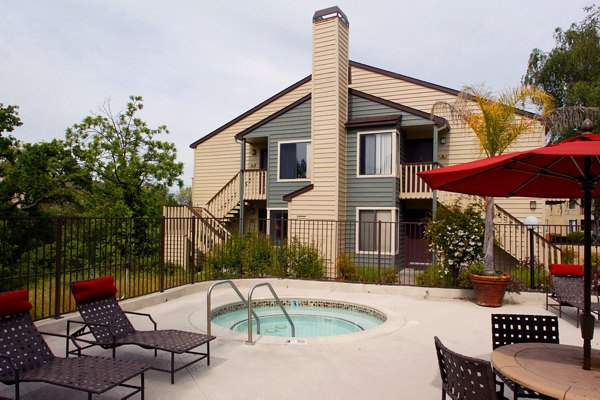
(264,159)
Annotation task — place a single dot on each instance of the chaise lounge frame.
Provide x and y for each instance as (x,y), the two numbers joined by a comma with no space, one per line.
(26,357)
(106,324)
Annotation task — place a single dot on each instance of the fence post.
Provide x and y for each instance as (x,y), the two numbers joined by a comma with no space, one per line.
(379,252)
(162,255)
(58,269)
(193,251)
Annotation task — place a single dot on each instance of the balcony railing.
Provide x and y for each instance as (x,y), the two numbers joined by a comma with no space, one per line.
(413,187)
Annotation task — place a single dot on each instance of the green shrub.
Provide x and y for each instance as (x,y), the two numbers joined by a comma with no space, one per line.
(576,237)
(346,268)
(476,268)
(301,261)
(258,256)
(435,276)
(456,236)
(225,259)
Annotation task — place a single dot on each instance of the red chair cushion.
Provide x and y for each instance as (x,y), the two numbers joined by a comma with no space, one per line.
(93,289)
(13,303)
(566,269)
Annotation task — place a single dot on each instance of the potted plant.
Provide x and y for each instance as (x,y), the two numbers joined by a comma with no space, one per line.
(489,289)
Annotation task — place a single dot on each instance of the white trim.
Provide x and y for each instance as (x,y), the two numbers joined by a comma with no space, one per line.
(394,150)
(309,155)
(269,217)
(394,211)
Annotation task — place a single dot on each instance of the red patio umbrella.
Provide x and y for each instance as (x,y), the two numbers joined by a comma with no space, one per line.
(569,169)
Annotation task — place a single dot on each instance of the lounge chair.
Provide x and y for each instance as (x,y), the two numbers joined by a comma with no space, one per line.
(26,357)
(518,328)
(104,319)
(567,280)
(466,378)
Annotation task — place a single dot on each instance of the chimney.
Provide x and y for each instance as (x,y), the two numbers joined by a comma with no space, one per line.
(329,109)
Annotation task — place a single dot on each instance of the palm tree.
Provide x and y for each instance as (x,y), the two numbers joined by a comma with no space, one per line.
(497,121)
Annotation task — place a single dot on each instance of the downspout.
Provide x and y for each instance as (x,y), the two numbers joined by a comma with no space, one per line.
(435,160)
(242,183)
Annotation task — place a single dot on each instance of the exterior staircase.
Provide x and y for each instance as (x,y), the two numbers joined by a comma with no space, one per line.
(512,236)
(225,204)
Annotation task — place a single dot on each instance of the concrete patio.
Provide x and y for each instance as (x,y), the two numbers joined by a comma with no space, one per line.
(394,361)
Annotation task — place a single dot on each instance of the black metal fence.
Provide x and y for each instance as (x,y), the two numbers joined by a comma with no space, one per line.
(153,254)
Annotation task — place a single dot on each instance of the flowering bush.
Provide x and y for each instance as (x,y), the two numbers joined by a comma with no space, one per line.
(456,237)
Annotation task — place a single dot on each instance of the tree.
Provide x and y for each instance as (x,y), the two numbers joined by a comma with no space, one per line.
(9,120)
(41,175)
(184,196)
(497,121)
(571,73)
(125,158)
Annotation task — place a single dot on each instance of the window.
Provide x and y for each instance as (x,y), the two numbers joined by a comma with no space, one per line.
(278,225)
(375,153)
(294,160)
(572,204)
(374,236)
(573,225)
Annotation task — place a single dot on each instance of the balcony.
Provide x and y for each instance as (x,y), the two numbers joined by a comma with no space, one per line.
(413,187)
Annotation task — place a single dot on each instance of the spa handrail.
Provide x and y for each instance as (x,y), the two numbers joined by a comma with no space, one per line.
(250,312)
(244,302)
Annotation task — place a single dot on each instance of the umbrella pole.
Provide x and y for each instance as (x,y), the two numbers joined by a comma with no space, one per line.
(587,319)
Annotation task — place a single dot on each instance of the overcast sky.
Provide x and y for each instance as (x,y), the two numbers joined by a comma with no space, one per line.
(199,64)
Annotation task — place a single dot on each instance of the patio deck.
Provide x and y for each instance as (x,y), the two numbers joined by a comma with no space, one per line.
(394,361)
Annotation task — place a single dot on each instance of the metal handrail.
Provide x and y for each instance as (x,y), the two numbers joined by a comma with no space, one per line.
(250,312)
(234,287)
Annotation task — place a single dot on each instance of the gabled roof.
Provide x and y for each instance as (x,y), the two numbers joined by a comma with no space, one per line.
(252,110)
(439,121)
(405,78)
(272,116)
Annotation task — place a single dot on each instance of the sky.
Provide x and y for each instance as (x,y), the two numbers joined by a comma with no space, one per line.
(200,63)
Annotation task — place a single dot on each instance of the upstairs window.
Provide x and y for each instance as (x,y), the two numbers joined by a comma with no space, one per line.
(376,155)
(294,160)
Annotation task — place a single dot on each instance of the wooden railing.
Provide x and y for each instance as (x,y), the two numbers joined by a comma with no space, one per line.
(413,187)
(511,234)
(228,198)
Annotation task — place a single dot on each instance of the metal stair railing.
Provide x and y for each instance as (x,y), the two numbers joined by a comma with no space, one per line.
(250,312)
(244,302)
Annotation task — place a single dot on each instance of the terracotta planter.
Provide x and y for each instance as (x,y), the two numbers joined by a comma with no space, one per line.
(489,290)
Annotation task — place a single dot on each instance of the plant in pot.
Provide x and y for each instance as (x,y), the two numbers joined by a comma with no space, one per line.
(489,288)
(455,235)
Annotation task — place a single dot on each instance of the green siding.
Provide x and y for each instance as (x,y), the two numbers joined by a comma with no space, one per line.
(362,108)
(292,125)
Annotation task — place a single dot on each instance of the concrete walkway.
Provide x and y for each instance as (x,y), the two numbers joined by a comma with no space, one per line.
(394,361)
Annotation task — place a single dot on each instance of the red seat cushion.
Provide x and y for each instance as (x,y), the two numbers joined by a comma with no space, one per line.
(13,303)
(566,269)
(94,289)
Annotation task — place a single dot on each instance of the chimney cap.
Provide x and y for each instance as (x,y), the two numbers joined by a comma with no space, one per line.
(328,13)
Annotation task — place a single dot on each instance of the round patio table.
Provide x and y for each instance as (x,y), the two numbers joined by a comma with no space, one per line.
(552,369)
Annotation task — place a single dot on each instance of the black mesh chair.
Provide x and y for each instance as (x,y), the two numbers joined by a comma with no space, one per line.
(568,291)
(26,357)
(466,378)
(110,328)
(516,328)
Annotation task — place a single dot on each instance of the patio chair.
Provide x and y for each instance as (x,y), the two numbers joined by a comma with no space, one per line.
(466,378)
(26,357)
(517,328)
(110,328)
(567,280)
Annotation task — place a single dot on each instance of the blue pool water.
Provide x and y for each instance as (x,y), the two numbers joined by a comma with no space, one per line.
(311,318)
